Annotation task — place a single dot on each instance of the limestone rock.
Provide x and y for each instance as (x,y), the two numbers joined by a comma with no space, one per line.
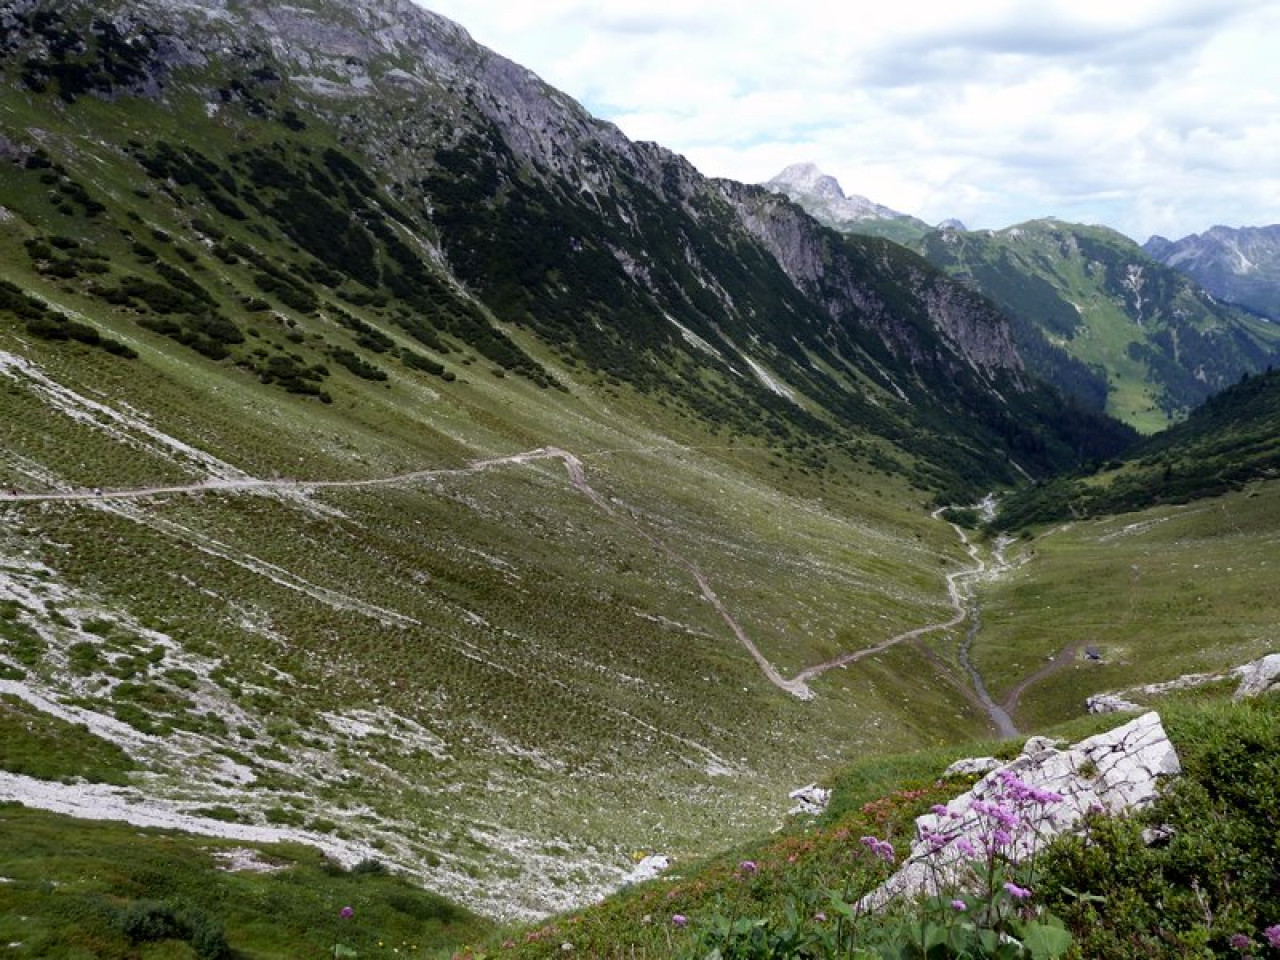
(972,765)
(1049,789)
(649,868)
(1110,703)
(810,801)
(1259,677)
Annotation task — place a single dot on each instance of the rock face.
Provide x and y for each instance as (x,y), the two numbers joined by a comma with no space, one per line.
(829,202)
(1019,808)
(1239,265)
(822,197)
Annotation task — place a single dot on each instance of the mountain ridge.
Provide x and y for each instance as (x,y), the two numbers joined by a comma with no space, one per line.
(1240,265)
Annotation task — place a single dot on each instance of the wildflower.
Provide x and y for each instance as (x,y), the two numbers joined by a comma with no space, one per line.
(959,905)
(1239,941)
(1272,934)
(939,809)
(1017,892)
(679,920)
(820,917)
(966,847)
(346,913)
(880,848)
(748,866)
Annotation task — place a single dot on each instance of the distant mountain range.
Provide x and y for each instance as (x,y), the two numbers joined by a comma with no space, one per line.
(1091,311)
(1240,266)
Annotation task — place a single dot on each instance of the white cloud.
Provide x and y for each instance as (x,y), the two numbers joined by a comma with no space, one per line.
(1148,115)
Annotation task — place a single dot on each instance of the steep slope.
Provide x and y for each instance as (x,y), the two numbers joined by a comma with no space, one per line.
(1098,317)
(1239,265)
(823,198)
(1226,443)
(474,483)
(615,254)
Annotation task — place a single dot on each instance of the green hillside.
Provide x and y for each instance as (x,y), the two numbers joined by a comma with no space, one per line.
(400,466)
(1225,444)
(1095,315)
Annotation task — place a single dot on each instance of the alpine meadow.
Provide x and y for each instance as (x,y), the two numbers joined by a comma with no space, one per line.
(433,524)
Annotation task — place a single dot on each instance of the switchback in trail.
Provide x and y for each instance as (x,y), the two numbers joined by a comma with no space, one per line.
(797,686)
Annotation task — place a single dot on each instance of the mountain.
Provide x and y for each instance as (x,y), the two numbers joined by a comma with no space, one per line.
(1230,441)
(1240,265)
(1091,312)
(822,197)
(397,460)
(1095,315)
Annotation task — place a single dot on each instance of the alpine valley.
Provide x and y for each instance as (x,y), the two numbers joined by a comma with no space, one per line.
(419,493)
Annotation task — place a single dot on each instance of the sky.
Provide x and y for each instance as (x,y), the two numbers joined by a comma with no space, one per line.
(1150,116)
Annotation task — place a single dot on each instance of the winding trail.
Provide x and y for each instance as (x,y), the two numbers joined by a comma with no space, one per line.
(796,686)
(954,579)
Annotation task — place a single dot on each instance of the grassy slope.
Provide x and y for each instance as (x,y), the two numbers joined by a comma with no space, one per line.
(553,653)
(799,866)
(1095,296)
(70,883)
(1162,592)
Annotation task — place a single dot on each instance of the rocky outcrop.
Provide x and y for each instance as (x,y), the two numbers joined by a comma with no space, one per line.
(1259,677)
(972,765)
(1018,809)
(1256,678)
(810,801)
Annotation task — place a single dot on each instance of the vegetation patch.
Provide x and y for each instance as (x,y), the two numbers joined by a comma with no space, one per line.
(49,748)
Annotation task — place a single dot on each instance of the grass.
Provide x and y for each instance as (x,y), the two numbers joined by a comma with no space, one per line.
(39,745)
(1161,593)
(69,884)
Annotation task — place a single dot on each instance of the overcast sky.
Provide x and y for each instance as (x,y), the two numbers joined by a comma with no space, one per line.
(1152,116)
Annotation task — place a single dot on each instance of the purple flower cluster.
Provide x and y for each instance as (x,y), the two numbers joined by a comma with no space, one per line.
(747,867)
(1272,934)
(880,848)
(1021,793)
(1017,892)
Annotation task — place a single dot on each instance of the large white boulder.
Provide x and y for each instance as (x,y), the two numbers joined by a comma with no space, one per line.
(1022,806)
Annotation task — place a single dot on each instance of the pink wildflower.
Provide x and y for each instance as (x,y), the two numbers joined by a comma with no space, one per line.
(959,905)
(346,913)
(679,919)
(1272,934)
(1017,892)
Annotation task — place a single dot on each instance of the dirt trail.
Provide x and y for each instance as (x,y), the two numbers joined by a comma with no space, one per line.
(1065,658)
(797,686)
(954,580)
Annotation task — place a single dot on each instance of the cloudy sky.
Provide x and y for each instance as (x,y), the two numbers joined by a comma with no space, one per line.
(1152,116)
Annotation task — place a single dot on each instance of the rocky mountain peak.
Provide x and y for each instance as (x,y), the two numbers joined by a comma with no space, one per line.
(1239,265)
(822,195)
